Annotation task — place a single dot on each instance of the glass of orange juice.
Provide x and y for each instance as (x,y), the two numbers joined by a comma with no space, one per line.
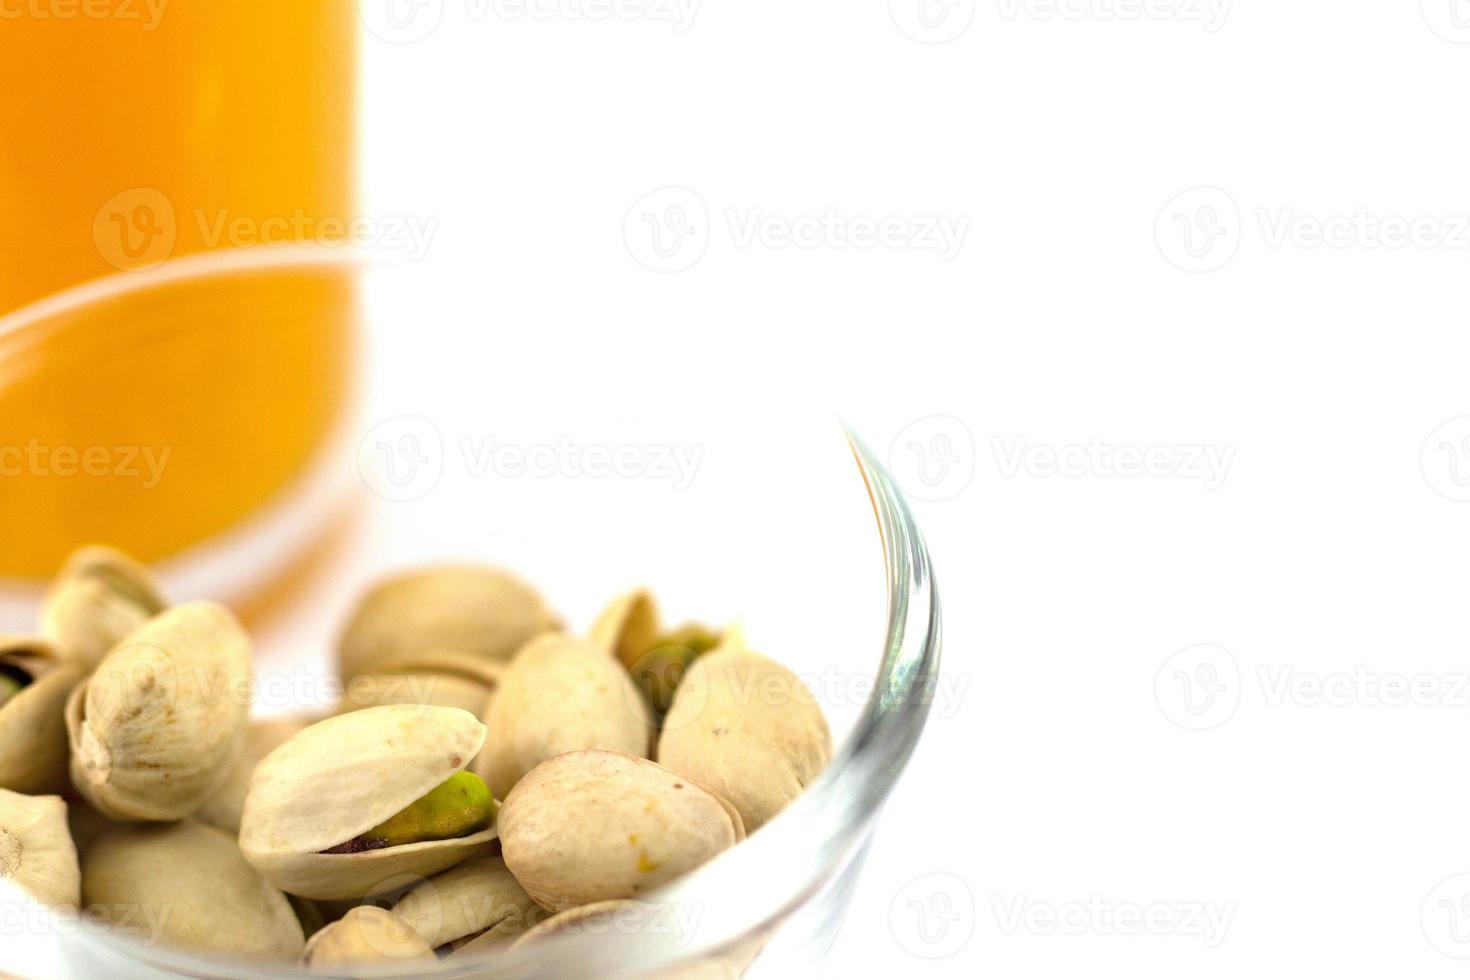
(168,371)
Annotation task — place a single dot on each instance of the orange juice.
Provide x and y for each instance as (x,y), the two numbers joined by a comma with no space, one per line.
(134,134)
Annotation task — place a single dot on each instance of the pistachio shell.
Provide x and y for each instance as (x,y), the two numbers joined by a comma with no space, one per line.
(155,730)
(443,679)
(36,851)
(365,935)
(480,899)
(560,694)
(628,627)
(747,728)
(190,882)
(591,826)
(100,596)
(33,721)
(344,775)
(470,609)
(261,739)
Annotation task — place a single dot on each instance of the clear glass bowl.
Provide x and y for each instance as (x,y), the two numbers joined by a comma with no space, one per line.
(765,531)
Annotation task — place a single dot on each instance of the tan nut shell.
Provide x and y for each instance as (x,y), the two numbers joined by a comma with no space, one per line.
(190,881)
(592,826)
(36,851)
(747,728)
(156,729)
(343,776)
(365,935)
(560,694)
(224,808)
(443,679)
(33,722)
(100,596)
(466,608)
(628,627)
(480,898)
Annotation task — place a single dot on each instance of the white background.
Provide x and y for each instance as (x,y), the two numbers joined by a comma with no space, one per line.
(1287,318)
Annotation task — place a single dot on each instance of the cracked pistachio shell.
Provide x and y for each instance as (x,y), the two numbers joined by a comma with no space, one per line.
(479,900)
(345,775)
(261,739)
(593,826)
(188,885)
(33,749)
(155,730)
(36,850)
(100,596)
(365,935)
(747,728)
(480,611)
(628,627)
(560,694)
(442,679)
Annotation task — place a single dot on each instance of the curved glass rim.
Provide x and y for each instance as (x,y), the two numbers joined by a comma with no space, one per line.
(746,891)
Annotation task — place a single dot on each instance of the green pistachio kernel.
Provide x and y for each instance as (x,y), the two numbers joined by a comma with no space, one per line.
(658,671)
(458,807)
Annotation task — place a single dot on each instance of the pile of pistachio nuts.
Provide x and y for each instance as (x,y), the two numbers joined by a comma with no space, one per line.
(488,778)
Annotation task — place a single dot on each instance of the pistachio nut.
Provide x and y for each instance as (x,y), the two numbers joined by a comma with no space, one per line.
(188,884)
(365,935)
(100,596)
(223,809)
(34,684)
(480,901)
(591,826)
(628,626)
(560,694)
(36,851)
(660,669)
(155,730)
(464,608)
(748,729)
(443,679)
(359,798)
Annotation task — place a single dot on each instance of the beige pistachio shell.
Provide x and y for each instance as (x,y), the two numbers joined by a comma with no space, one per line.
(36,851)
(593,826)
(87,824)
(100,596)
(479,899)
(444,679)
(628,627)
(345,775)
(560,694)
(223,810)
(189,885)
(155,730)
(748,729)
(365,935)
(33,749)
(465,608)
